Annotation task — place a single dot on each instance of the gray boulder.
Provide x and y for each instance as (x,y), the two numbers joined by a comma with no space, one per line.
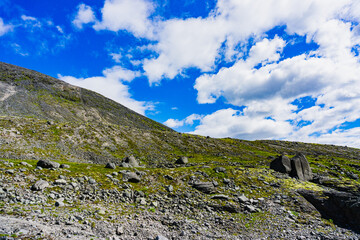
(131,161)
(40,185)
(281,164)
(205,187)
(297,167)
(47,164)
(182,160)
(110,165)
(300,168)
(131,177)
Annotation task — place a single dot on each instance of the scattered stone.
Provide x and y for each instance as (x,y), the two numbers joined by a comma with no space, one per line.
(40,185)
(59,203)
(10,171)
(64,166)
(110,165)
(243,199)
(160,237)
(205,187)
(220,197)
(47,164)
(25,164)
(170,188)
(220,170)
(131,177)
(60,182)
(182,160)
(119,230)
(131,161)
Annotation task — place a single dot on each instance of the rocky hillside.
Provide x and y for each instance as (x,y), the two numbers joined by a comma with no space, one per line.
(76,165)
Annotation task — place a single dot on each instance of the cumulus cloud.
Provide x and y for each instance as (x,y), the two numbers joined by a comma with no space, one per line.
(112,85)
(4,28)
(232,123)
(129,15)
(174,123)
(84,15)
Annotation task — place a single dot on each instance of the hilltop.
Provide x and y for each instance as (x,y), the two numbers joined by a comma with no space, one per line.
(223,190)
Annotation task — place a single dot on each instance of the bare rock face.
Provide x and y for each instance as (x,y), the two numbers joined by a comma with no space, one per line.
(281,164)
(297,167)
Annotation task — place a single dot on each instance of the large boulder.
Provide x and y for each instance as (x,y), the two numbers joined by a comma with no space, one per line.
(110,165)
(281,164)
(47,164)
(300,168)
(131,177)
(297,167)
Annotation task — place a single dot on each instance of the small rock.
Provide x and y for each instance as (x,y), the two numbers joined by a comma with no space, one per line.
(160,237)
(25,164)
(170,188)
(182,160)
(131,161)
(59,203)
(120,230)
(243,199)
(220,197)
(60,182)
(47,164)
(110,165)
(10,171)
(131,177)
(205,187)
(64,166)
(40,185)
(220,169)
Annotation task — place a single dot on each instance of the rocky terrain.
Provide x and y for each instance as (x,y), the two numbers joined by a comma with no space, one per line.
(75,165)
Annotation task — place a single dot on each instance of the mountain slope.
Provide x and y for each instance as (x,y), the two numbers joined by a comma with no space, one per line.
(26,93)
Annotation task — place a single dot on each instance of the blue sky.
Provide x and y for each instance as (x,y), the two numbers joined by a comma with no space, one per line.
(260,69)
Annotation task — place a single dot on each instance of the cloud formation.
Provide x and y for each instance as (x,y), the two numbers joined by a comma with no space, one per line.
(112,85)
(129,15)
(85,15)
(4,28)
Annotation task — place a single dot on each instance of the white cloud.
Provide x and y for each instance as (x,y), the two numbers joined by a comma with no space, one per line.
(84,15)
(231,123)
(31,22)
(112,85)
(130,15)
(174,123)
(185,43)
(4,28)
